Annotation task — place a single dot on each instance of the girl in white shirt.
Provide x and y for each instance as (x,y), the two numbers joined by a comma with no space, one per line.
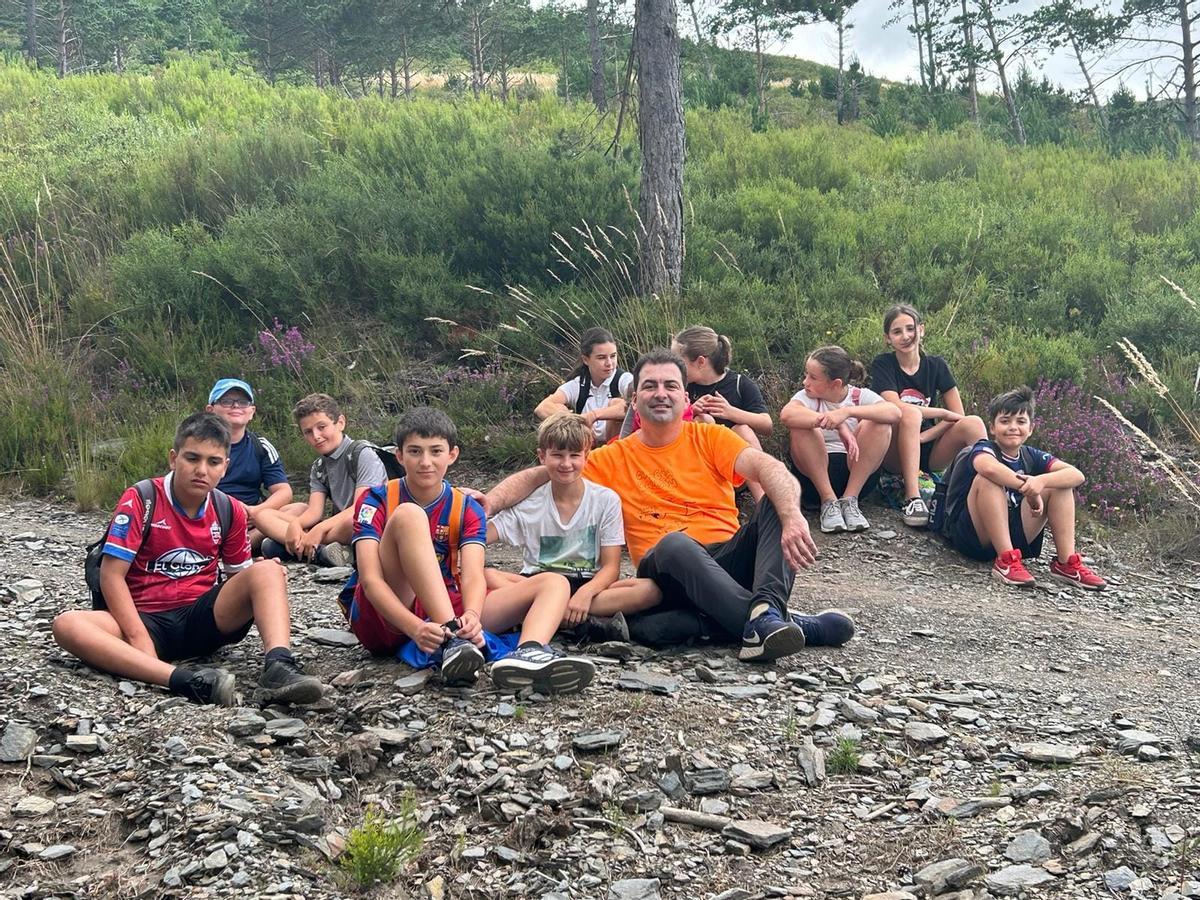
(839,434)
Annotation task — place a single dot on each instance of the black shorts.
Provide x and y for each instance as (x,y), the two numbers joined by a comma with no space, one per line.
(966,541)
(926,452)
(192,630)
(839,475)
(575,581)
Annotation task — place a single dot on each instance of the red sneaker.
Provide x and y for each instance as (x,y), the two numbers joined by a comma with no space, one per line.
(1074,571)
(1009,569)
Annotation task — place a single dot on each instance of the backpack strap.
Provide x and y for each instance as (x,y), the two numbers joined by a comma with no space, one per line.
(585,390)
(393,495)
(458,509)
(223,504)
(614,386)
(145,489)
(354,451)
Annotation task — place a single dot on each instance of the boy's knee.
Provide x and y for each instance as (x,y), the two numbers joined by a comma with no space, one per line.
(405,517)
(975,427)
(66,625)
(910,416)
(552,582)
(267,575)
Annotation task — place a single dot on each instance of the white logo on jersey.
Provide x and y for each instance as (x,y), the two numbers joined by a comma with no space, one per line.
(366,514)
(161,523)
(128,503)
(121,519)
(181,562)
(215,531)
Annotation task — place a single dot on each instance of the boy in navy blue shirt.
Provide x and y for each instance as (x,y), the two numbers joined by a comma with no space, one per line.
(1002,515)
(254,464)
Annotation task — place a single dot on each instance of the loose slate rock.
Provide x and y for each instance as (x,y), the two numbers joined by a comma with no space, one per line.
(1028,847)
(286,729)
(947,874)
(1119,879)
(925,733)
(634,889)
(413,683)
(1043,752)
(706,781)
(332,637)
(246,722)
(594,741)
(812,763)
(17,743)
(56,851)
(332,575)
(1014,879)
(643,680)
(31,806)
(743,691)
(759,834)
(1132,740)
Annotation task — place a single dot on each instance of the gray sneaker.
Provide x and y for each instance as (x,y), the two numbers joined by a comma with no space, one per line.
(852,516)
(544,669)
(332,556)
(831,517)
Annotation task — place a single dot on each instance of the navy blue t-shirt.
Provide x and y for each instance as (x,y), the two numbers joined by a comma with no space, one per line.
(246,477)
(956,497)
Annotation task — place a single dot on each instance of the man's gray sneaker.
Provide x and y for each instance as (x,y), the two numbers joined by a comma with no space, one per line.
(831,517)
(333,556)
(852,516)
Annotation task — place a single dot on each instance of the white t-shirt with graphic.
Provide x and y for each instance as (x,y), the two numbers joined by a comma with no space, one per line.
(599,397)
(550,545)
(855,396)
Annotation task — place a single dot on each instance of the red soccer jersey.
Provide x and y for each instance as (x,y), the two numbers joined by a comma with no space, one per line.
(178,560)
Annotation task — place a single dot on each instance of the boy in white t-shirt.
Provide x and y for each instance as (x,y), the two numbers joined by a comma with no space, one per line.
(598,389)
(570,525)
(839,435)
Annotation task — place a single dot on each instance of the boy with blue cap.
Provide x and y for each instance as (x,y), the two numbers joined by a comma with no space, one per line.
(254,464)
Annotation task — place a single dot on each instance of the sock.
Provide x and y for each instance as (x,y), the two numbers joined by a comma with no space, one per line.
(759,608)
(181,681)
(277,653)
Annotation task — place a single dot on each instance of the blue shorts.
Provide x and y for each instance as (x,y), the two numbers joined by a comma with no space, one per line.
(965,540)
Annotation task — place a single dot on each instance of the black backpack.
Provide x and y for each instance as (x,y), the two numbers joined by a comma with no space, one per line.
(585,387)
(145,489)
(386,454)
(940,511)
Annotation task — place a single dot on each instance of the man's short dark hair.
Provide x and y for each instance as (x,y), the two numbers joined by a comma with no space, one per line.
(203,426)
(1010,403)
(657,357)
(426,422)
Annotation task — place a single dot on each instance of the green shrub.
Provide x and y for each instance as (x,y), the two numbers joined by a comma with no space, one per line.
(843,759)
(378,850)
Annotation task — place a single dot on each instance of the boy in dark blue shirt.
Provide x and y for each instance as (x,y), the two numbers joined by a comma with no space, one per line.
(254,463)
(1002,515)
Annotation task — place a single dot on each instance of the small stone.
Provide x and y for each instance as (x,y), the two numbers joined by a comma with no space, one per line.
(706,781)
(1132,739)
(216,860)
(176,746)
(594,741)
(925,732)
(56,851)
(1028,847)
(83,743)
(746,780)
(643,680)
(32,806)
(332,637)
(743,691)
(965,809)
(26,590)
(347,679)
(634,889)
(332,575)
(17,743)
(1014,879)
(714,806)
(890,895)
(413,683)
(435,888)
(947,874)
(759,834)
(812,763)
(856,712)
(1043,752)
(1148,753)
(286,729)
(886,534)
(246,722)
(555,794)
(359,753)
(1119,879)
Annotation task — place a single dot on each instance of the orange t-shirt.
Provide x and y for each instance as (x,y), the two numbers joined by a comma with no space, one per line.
(685,486)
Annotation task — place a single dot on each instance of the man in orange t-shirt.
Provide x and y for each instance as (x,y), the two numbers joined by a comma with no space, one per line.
(676,481)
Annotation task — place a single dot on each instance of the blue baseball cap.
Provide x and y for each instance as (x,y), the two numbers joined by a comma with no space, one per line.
(225,385)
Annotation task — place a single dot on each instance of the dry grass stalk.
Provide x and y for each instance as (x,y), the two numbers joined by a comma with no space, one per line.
(1179,480)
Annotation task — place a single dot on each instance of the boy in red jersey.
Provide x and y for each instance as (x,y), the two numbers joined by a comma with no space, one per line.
(164,597)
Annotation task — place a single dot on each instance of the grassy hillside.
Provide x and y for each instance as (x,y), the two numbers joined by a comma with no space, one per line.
(157,226)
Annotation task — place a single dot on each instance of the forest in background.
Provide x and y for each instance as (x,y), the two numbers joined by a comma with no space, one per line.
(187,218)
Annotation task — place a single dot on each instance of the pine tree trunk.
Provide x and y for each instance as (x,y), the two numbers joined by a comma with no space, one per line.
(1010,101)
(31,36)
(1189,74)
(920,45)
(599,90)
(931,59)
(661,136)
(1087,77)
(708,63)
(62,36)
(393,80)
(406,60)
(476,40)
(760,76)
(972,77)
(841,83)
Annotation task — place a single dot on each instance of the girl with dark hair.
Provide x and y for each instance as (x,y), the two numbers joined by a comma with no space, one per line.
(597,389)
(933,427)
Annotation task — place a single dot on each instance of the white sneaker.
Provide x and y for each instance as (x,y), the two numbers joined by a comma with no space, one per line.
(915,513)
(831,517)
(544,669)
(852,516)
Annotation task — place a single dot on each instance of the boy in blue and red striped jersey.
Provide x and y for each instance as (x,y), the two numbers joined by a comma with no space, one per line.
(163,595)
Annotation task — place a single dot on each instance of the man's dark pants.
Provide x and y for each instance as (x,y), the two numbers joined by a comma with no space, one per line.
(708,591)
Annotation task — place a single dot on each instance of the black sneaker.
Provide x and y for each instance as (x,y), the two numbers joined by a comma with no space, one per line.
(461,662)
(283,680)
(828,628)
(544,669)
(606,628)
(213,686)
